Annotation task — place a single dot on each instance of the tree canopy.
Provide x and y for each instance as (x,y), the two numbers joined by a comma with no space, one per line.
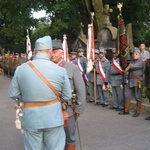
(64,17)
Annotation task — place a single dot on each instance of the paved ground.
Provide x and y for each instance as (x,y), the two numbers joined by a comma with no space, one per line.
(100,128)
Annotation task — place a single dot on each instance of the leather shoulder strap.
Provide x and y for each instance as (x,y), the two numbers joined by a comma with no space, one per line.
(44,79)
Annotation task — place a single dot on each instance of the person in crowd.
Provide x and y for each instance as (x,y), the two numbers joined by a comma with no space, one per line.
(42,119)
(103,70)
(134,85)
(116,83)
(75,108)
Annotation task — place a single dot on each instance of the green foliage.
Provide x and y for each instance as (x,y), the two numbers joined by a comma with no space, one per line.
(64,17)
(135,12)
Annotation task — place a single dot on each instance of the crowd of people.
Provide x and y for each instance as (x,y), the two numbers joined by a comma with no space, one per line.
(9,62)
(125,86)
(54,81)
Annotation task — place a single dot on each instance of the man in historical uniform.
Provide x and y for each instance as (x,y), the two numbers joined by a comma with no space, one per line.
(116,83)
(103,71)
(73,57)
(42,114)
(144,54)
(91,79)
(17,60)
(1,70)
(3,64)
(81,63)
(77,86)
(12,67)
(24,58)
(134,85)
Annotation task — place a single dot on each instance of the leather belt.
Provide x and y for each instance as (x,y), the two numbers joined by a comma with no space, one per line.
(138,80)
(136,77)
(38,104)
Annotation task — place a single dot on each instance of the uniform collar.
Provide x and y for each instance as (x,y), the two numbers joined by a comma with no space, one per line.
(41,56)
(61,63)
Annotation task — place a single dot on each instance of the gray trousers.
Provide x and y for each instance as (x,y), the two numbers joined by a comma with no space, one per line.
(104,95)
(70,131)
(45,139)
(91,90)
(133,92)
(117,96)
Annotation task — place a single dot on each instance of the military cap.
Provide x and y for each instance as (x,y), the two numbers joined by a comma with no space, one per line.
(44,43)
(96,51)
(102,51)
(136,50)
(73,53)
(57,44)
(80,50)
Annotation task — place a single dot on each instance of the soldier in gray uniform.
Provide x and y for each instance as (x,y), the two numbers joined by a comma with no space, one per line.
(77,85)
(42,119)
(81,63)
(82,60)
(104,98)
(116,83)
(73,57)
(134,85)
(91,79)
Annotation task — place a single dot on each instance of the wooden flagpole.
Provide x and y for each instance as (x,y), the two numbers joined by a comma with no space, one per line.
(94,69)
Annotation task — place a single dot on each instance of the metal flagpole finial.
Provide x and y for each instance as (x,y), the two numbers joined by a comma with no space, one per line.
(64,35)
(27,32)
(119,5)
(92,15)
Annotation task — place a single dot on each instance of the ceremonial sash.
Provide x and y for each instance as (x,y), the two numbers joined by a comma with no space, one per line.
(79,65)
(117,66)
(102,75)
(81,70)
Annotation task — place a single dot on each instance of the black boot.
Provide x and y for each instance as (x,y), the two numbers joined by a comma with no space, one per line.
(123,113)
(136,114)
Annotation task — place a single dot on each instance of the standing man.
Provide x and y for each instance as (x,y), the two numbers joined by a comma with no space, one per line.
(134,85)
(24,58)
(103,71)
(42,114)
(73,57)
(81,63)
(144,54)
(77,86)
(91,79)
(116,83)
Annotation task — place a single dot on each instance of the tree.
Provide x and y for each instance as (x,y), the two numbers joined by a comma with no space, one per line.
(137,14)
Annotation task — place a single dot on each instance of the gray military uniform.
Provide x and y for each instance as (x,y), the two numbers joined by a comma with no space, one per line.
(77,85)
(135,77)
(116,83)
(104,95)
